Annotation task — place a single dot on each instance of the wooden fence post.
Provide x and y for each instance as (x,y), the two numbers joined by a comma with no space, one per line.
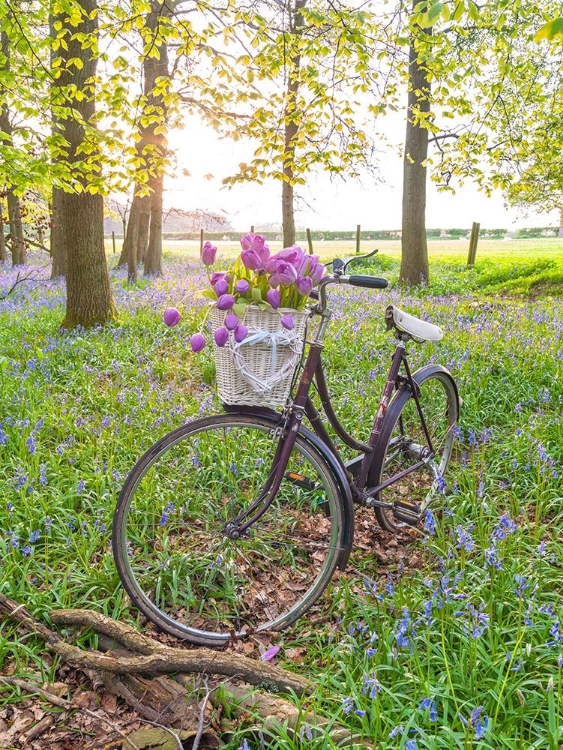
(113,242)
(473,240)
(358,232)
(309,241)
(200,240)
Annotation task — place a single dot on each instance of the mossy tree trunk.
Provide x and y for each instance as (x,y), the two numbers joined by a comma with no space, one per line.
(414,249)
(17,242)
(89,299)
(156,68)
(3,256)
(291,128)
(56,244)
(56,241)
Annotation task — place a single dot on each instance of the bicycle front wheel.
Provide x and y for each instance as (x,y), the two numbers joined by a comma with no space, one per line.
(405,443)
(173,553)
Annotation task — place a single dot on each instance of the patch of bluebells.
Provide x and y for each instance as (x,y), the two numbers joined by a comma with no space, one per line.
(475,723)
(429,704)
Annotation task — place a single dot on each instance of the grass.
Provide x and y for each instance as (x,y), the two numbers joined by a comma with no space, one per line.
(458,643)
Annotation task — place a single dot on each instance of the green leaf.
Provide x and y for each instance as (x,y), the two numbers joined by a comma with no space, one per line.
(434,12)
(550,30)
(207,294)
(256,294)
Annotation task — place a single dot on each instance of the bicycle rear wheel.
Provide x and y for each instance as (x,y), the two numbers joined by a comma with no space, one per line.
(404,441)
(173,554)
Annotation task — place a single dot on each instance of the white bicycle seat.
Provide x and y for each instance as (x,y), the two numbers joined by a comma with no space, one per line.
(419,329)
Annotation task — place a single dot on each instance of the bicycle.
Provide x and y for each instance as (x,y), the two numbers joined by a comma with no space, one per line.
(235,523)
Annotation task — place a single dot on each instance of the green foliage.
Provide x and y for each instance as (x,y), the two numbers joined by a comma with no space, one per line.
(550,30)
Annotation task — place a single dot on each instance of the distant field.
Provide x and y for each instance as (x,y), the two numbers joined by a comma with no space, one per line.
(451,250)
(527,267)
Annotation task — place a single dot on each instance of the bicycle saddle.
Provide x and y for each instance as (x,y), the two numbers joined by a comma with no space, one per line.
(415,327)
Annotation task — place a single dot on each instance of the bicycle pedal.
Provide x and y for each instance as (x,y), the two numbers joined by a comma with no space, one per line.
(406,512)
(300,480)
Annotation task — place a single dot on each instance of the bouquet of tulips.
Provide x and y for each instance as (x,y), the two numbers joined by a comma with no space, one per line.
(280,282)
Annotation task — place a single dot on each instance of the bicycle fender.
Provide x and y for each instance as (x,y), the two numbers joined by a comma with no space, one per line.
(424,372)
(396,405)
(346,494)
(337,472)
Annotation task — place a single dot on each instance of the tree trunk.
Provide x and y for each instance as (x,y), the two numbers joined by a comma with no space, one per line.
(89,300)
(57,245)
(144,223)
(153,69)
(128,255)
(291,128)
(17,241)
(560,223)
(136,236)
(153,260)
(3,255)
(414,258)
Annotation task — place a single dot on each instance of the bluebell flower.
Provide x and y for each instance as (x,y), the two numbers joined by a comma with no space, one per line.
(402,632)
(429,522)
(464,539)
(522,585)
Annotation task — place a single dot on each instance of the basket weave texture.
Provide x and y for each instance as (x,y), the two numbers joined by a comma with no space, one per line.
(259,370)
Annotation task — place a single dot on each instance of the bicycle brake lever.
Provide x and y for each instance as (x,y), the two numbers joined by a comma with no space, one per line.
(358,257)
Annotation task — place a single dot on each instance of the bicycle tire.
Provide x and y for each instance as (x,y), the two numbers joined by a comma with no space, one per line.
(171,551)
(402,429)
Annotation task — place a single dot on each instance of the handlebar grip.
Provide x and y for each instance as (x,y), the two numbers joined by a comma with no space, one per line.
(370,282)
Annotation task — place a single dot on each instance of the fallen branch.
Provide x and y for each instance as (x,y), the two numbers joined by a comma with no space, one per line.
(163,700)
(159,660)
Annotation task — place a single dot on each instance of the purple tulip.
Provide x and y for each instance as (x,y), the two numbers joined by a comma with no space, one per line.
(197,342)
(287,322)
(258,243)
(226,301)
(171,317)
(217,275)
(304,285)
(270,653)
(208,253)
(251,260)
(317,271)
(221,287)
(241,332)
(242,286)
(282,273)
(247,240)
(310,266)
(221,336)
(293,255)
(254,251)
(274,297)
(231,321)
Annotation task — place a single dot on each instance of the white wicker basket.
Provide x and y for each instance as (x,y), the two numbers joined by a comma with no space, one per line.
(259,370)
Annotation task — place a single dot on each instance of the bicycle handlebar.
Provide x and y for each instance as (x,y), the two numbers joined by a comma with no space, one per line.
(370,282)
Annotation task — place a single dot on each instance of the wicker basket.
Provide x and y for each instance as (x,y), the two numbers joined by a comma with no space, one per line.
(259,370)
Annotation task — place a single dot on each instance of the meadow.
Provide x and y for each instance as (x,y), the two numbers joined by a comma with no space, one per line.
(448,638)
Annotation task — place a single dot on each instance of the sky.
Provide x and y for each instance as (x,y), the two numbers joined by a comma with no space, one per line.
(340,204)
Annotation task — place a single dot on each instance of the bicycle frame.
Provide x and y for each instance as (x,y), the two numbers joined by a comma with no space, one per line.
(302,405)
